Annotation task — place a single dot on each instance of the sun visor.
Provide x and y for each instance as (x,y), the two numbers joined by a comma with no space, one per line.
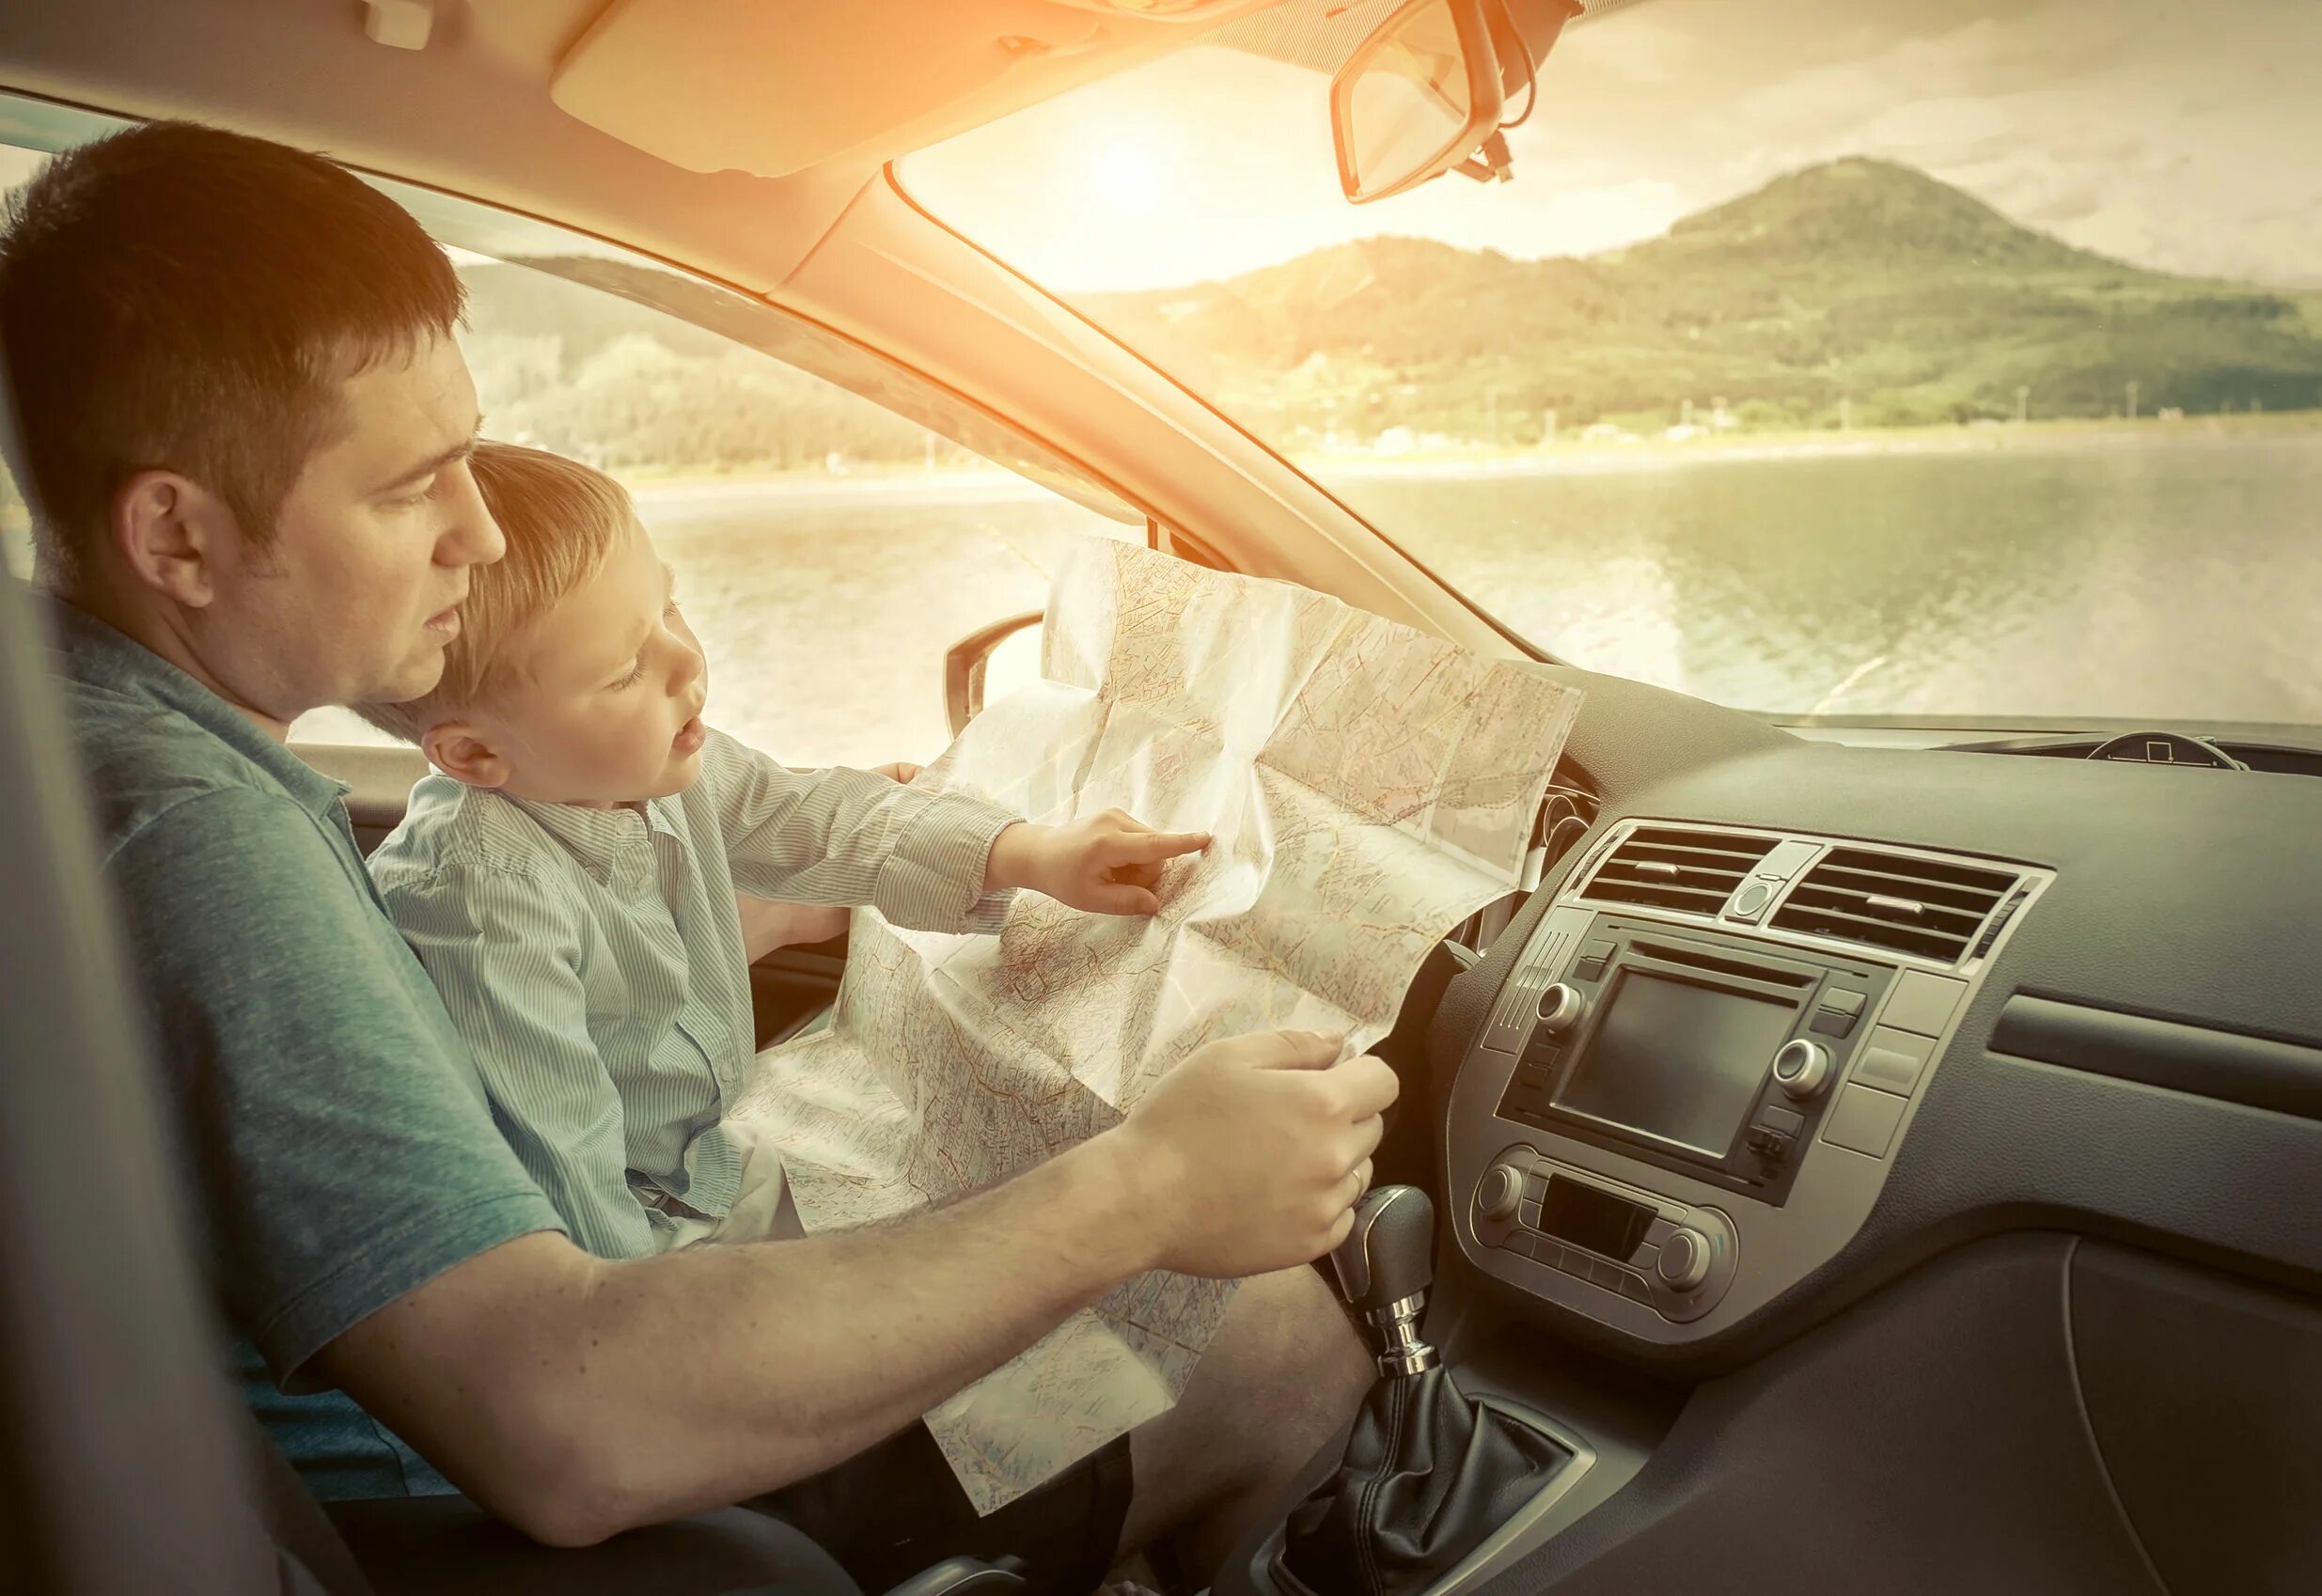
(774,87)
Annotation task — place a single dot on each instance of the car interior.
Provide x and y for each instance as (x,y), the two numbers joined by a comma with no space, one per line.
(1869,1159)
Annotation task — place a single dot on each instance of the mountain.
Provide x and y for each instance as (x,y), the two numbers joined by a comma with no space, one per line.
(569,362)
(1860,281)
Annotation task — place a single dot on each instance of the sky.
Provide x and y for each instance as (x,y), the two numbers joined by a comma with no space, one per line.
(2175,134)
(2181,134)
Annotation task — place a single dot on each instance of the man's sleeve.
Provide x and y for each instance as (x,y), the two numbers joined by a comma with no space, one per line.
(850,836)
(341,1150)
(505,952)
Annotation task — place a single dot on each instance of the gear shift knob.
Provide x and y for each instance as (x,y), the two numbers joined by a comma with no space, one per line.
(1385,1266)
(1390,1254)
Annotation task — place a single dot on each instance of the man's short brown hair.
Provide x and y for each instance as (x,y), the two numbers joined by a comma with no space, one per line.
(561,519)
(178,297)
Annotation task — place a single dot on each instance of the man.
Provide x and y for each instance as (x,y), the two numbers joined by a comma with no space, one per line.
(245,428)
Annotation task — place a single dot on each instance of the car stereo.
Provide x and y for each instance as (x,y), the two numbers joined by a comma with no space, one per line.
(1692,1050)
(1699,1066)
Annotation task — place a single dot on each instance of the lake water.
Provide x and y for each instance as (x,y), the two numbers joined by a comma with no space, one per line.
(2174,581)
(2177,581)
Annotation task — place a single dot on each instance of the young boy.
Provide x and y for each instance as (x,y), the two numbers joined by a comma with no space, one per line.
(569,879)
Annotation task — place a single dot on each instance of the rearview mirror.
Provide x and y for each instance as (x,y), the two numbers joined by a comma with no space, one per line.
(1415,98)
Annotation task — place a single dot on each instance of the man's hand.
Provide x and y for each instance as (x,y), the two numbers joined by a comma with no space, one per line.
(1250,1155)
(1108,863)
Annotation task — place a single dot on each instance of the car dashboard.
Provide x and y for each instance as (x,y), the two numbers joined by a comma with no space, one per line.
(1805,1050)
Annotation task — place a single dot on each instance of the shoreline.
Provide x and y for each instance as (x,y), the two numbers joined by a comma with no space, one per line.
(985,483)
(995,483)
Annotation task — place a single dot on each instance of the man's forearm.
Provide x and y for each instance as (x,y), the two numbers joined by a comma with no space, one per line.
(627,1393)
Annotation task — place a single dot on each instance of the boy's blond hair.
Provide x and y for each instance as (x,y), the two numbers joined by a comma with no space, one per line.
(559,518)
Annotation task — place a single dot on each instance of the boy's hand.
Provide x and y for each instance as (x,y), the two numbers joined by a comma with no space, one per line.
(900,771)
(1106,864)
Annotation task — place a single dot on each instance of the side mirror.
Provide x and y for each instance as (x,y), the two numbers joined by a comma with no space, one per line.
(968,663)
(1416,98)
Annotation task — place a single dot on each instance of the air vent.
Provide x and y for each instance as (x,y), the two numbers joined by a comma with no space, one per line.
(1676,868)
(1906,905)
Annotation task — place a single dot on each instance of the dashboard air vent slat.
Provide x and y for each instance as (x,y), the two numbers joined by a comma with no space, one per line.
(1921,906)
(1676,868)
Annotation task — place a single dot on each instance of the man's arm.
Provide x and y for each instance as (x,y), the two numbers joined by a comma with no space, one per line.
(339,1145)
(579,1398)
(504,951)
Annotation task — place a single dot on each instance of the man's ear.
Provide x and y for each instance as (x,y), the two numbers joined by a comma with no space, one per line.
(460,749)
(174,534)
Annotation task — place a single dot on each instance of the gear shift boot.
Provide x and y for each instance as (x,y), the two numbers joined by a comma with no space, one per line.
(1430,1474)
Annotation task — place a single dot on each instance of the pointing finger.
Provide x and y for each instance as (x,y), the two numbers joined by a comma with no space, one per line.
(1150,848)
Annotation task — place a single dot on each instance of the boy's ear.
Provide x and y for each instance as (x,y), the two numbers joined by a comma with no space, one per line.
(459,749)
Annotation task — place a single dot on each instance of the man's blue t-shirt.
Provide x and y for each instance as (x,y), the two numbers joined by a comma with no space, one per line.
(340,1148)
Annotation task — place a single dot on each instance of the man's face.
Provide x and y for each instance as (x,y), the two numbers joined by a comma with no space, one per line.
(354,596)
(599,700)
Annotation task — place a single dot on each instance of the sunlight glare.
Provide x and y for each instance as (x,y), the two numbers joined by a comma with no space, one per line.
(1129,175)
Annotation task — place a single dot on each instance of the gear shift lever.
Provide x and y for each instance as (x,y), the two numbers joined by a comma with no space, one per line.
(1429,1474)
(1385,1266)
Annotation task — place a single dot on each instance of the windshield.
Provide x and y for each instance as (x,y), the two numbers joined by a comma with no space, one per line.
(1909,359)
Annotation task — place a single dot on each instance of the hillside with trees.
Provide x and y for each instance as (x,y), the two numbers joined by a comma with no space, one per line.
(1859,283)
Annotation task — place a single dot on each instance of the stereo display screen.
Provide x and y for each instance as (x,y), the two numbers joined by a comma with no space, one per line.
(1677,1060)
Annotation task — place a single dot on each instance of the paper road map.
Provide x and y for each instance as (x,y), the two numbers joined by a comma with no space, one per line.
(1368,787)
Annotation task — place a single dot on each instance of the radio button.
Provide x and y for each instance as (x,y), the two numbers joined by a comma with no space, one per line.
(1684,1261)
(1784,1121)
(1923,1003)
(1892,1060)
(1864,1121)
(1502,1189)
(1802,1069)
(1837,1013)
(1561,1008)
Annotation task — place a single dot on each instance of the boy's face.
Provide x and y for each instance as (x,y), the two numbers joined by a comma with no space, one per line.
(599,700)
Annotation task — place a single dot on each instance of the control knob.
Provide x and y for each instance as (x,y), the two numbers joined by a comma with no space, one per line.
(1502,1189)
(1802,1067)
(1683,1262)
(1561,1008)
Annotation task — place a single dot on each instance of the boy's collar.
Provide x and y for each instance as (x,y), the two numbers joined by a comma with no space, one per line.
(600,840)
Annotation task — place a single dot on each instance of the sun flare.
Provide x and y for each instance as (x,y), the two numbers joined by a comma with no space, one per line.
(1129,175)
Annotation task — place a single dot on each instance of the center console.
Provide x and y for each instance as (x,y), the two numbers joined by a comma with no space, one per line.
(1692,1085)
(1686,1096)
